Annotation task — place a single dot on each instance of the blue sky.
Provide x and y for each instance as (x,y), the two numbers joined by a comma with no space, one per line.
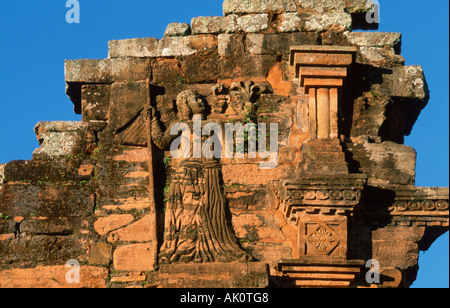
(35,40)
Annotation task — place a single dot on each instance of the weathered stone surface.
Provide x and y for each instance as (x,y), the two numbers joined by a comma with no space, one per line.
(41,248)
(105,70)
(390,107)
(48,227)
(261,226)
(213,69)
(247,175)
(230,24)
(92,71)
(258,6)
(230,45)
(214,25)
(387,162)
(206,69)
(63,138)
(280,6)
(253,23)
(6,237)
(278,80)
(143,47)
(204,44)
(132,277)
(222,275)
(377,48)
(135,257)
(408,82)
(123,180)
(294,22)
(104,225)
(248,65)
(380,57)
(139,231)
(389,110)
(2,173)
(95,102)
(322,5)
(100,253)
(279,43)
(380,49)
(127,100)
(375,39)
(333,38)
(41,171)
(46,200)
(178,29)
(52,277)
(329,21)
(123,69)
(397,247)
(154,48)
(322,156)
(253,197)
(269,251)
(353,6)
(167,71)
(359,6)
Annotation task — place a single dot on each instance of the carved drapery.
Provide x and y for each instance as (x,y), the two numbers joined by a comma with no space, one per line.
(198,227)
(197,218)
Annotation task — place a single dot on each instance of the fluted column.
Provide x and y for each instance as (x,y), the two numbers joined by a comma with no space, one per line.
(321,71)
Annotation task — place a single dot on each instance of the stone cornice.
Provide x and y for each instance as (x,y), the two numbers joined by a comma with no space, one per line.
(325,195)
(424,206)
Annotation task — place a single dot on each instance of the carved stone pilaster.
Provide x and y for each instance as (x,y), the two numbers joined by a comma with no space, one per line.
(320,208)
(321,71)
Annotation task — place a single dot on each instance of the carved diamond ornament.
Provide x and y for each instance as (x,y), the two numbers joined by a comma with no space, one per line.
(324,239)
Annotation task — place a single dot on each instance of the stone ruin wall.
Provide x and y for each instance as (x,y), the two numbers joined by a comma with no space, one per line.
(86,194)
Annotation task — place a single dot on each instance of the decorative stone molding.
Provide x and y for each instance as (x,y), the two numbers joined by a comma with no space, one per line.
(322,236)
(320,208)
(416,206)
(421,206)
(321,71)
(325,195)
(315,273)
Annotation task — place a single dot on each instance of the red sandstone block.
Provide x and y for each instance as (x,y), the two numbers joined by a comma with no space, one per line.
(95,102)
(52,277)
(135,257)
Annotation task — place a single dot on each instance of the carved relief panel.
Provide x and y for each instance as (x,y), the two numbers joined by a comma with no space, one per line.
(322,236)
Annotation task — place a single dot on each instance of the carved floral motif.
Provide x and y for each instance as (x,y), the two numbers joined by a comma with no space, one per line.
(324,239)
(420,205)
(324,194)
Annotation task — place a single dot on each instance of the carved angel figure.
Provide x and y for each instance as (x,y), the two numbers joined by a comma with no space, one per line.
(197,219)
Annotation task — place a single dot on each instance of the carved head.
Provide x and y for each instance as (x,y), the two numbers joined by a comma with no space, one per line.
(190,103)
(221,95)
